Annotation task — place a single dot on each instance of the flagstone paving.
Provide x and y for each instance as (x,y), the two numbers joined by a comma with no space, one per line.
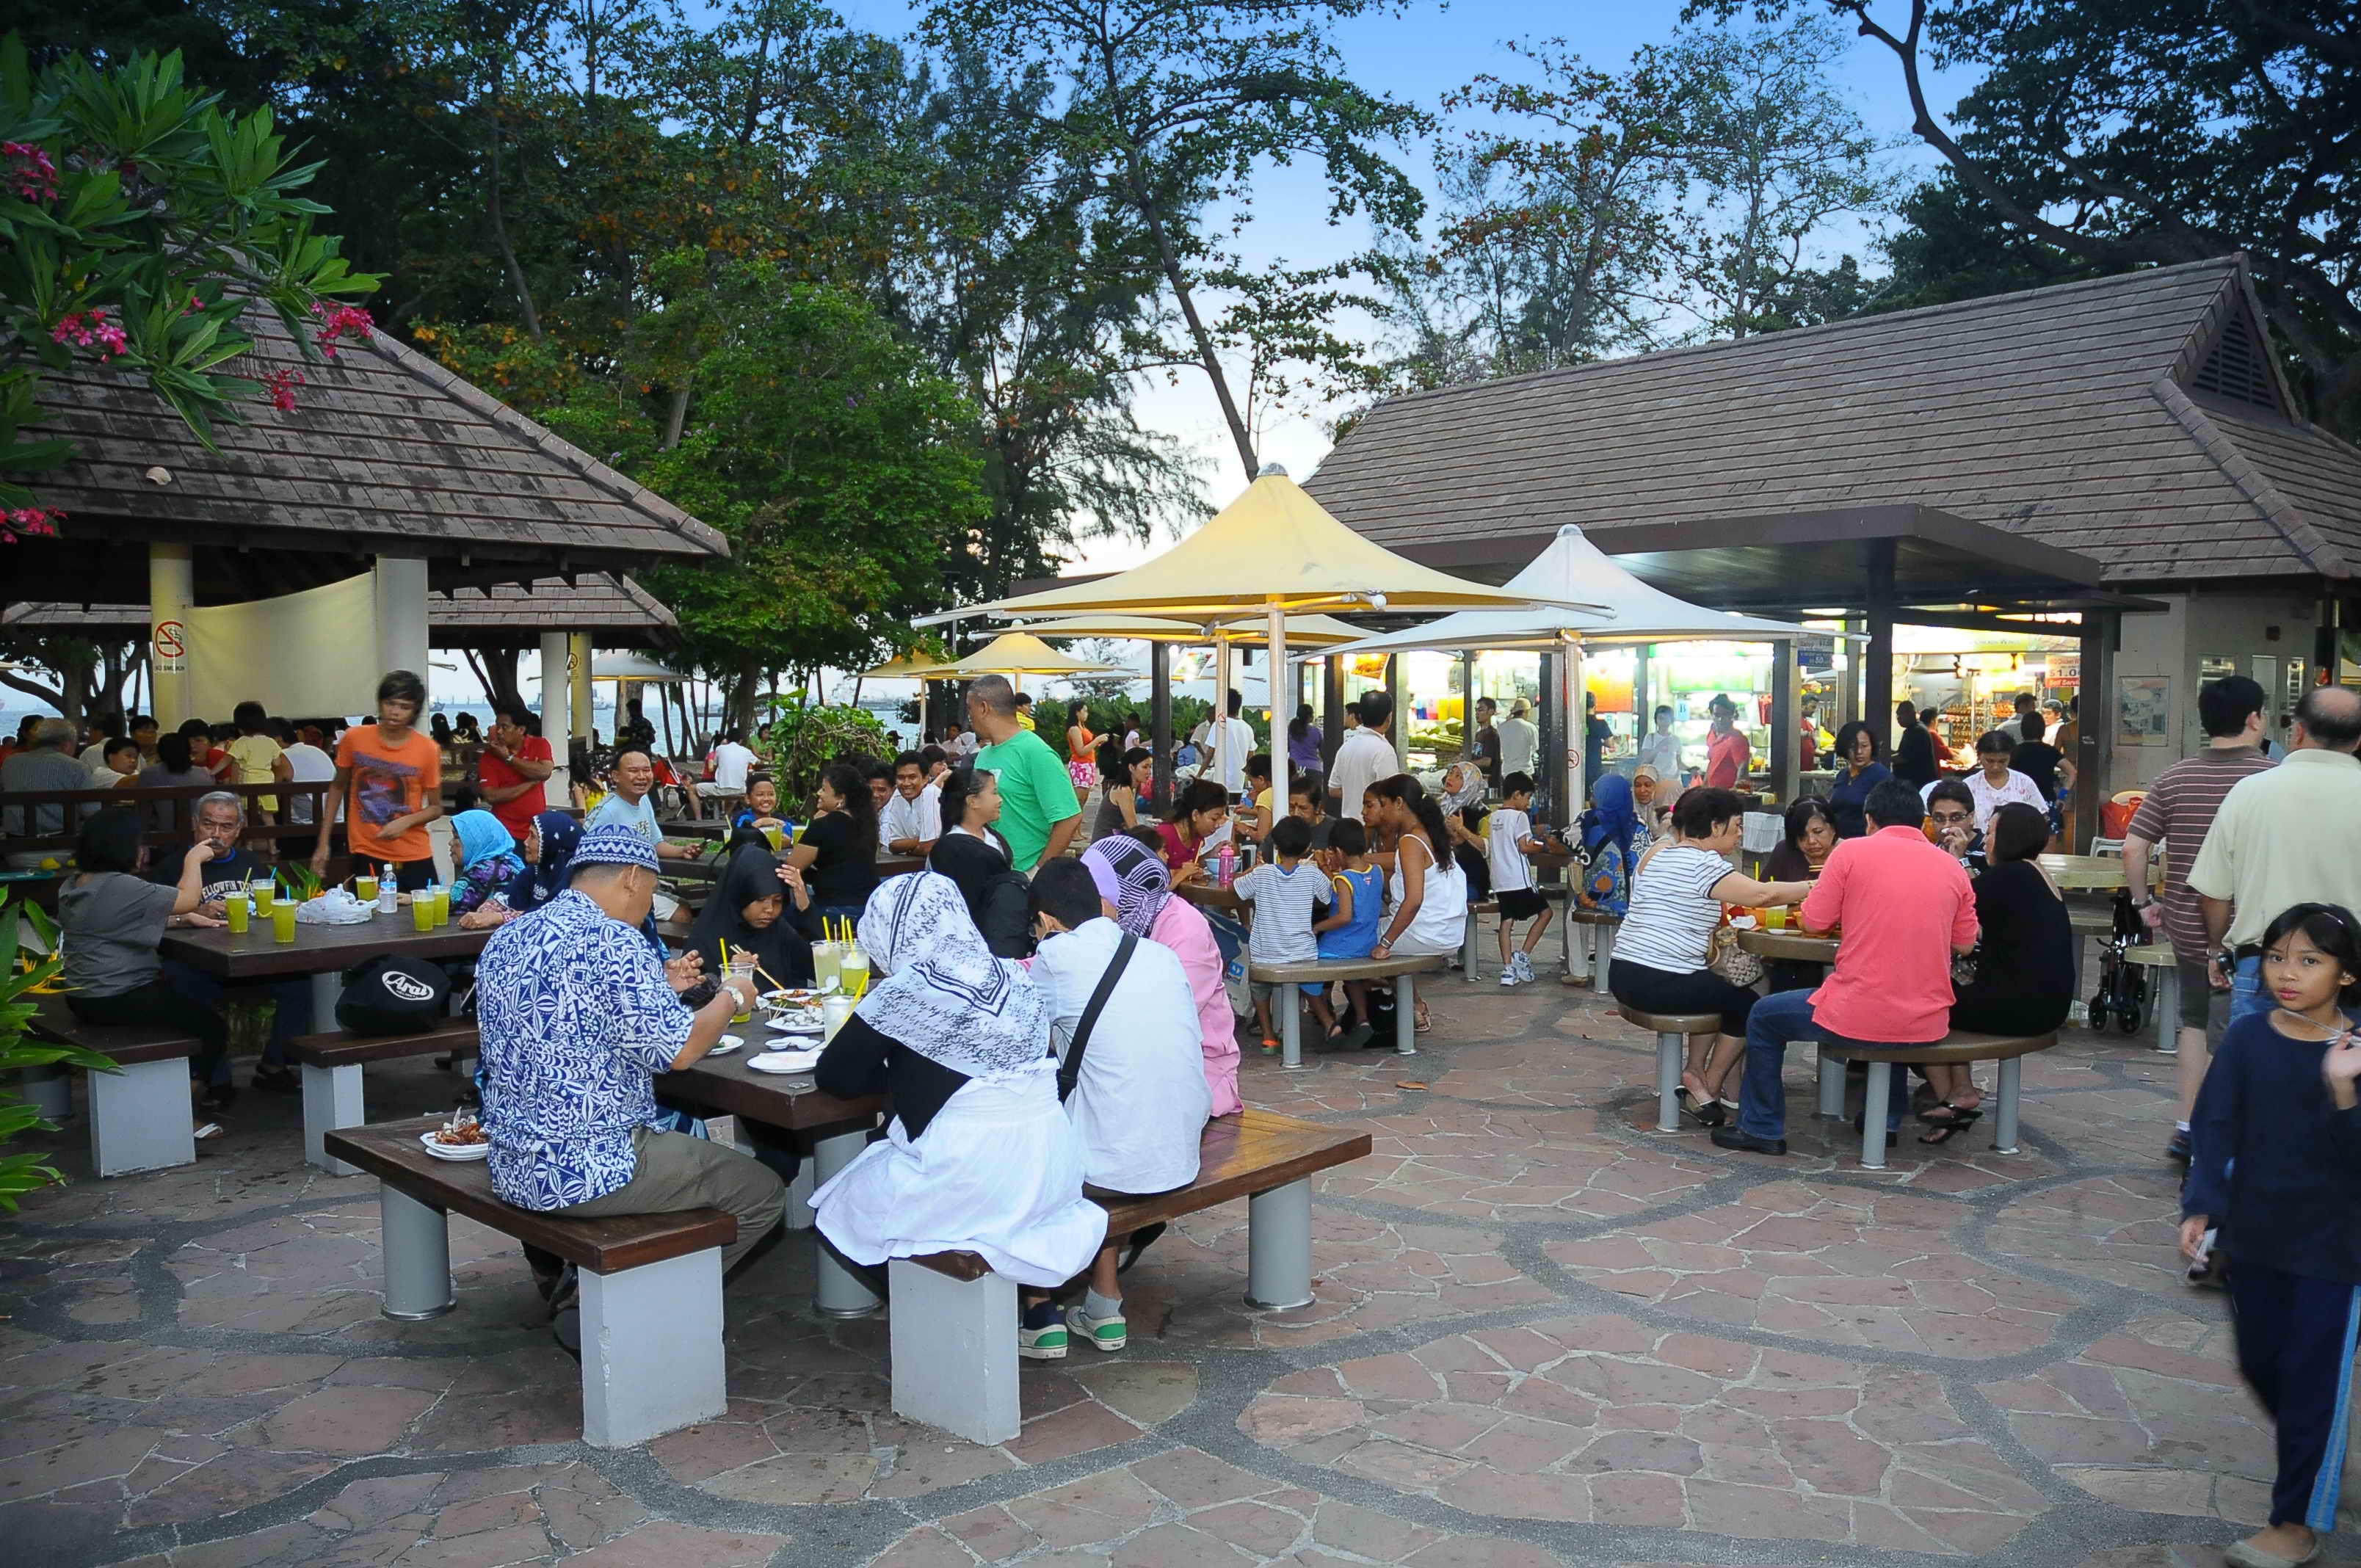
(1543,1334)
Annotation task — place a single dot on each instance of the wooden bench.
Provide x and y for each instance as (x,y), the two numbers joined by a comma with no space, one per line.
(1602,952)
(953,1324)
(140,1117)
(332,1064)
(1957,1049)
(651,1359)
(1317,971)
(2157,955)
(1671,1031)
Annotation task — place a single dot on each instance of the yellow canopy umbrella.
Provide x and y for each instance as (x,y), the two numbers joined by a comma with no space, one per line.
(902,667)
(1302,631)
(1274,550)
(1013,653)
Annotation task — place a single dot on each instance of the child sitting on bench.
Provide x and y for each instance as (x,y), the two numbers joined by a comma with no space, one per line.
(1132,1076)
(1357,901)
(1283,890)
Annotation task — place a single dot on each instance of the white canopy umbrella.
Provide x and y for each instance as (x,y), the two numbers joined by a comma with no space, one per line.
(635,667)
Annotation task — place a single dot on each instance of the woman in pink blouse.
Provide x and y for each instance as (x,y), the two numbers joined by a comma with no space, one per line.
(1135,887)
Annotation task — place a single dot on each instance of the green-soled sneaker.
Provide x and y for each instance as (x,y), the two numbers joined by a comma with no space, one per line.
(1042,1344)
(1107,1333)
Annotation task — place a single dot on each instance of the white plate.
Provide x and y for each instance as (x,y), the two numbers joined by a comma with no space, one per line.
(786,1061)
(725,1045)
(799,1023)
(448,1151)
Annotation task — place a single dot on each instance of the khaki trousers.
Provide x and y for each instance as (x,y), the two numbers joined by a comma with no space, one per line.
(677,1172)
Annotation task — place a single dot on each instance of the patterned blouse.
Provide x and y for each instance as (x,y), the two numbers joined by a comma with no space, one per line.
(575,1016)
(1608,878)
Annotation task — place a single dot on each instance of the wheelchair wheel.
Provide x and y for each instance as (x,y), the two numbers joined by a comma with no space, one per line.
(2130,1018)
(2099,1010)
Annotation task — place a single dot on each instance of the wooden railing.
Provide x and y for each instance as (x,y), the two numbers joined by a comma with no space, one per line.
(169,813)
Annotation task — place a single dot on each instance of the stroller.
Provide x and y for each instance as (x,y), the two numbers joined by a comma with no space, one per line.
(2123,993)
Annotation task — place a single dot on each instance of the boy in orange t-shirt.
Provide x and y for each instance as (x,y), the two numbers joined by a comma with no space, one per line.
(395,777)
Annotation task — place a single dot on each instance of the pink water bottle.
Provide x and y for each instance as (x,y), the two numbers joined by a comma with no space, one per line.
(1226,863)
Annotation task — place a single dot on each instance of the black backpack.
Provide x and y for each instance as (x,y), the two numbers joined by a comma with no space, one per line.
(393,995)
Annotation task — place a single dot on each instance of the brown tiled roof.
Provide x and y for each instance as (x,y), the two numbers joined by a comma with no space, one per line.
(385,451)
(2067,414)
(615,611)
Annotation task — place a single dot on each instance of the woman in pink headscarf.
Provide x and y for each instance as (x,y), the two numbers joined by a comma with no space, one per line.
(1133,881)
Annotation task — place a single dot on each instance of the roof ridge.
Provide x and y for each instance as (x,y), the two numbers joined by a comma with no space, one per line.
(2232,260)
(461,390)
(646,600)
(2265,495)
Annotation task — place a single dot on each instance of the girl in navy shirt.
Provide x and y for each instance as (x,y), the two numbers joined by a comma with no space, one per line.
(2276,1158)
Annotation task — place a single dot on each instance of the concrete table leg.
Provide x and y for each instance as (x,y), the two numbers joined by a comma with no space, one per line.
(1832,1079)
(1288,1003)
(325,989)
(1671,1050)
(332,1099)
(139,1118)
(1468,945)
(799,1191)
(1872,1116)
(652,1349)
(954,1348)
(416,1239)
(1279,1248)
(1405,1016)
(1565,934)
(2012,1074)
(836,1291)
(1602,956)
(48,1090)
(2167,1011)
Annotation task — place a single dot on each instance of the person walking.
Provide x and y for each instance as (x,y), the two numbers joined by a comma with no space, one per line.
(2283,837)
(1039,812)
(389,784)
(1520,742)
(1367,754)
(2179,809)
(1914,751)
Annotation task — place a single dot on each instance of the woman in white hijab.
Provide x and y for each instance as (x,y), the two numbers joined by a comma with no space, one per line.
(979,1156)
(1461,799)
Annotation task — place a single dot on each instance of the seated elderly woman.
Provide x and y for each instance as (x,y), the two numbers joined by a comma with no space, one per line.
(979,1156)
(577,1014)
(489,861)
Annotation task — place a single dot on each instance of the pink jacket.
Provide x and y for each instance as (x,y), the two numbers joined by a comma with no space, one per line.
(1181,927)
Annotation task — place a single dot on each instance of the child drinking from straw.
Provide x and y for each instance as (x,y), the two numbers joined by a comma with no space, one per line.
(1357,901)
(2277,1140)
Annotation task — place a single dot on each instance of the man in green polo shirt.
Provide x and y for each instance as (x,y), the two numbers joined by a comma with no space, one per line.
(1038,812)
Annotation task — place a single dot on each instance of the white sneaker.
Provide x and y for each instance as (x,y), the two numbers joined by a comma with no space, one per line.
(1508,977)
(1524,965)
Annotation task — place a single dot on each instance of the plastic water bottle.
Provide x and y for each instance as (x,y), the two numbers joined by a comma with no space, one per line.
(1226,863)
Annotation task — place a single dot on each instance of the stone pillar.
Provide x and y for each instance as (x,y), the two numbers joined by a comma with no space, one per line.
(2094,745)
(1877,689)
(1397,688)
(1159,720)
(578,654)
(399,584)
(172,593)
(1786,720)
(556,722)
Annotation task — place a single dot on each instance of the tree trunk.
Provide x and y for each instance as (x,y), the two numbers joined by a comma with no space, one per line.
(741,702)
(495,670)
(499,222)
(1174,276)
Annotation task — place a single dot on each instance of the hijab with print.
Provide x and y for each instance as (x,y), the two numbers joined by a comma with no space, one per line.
(752,874)
(543,879)
(1132,877)
(944,995)
(1612,818)
(484,841)
(1470,791)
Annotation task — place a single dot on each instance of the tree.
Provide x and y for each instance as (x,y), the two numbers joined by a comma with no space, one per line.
(139,223)
(831,455)
(1174,106)
(2131,133)
(1951,246)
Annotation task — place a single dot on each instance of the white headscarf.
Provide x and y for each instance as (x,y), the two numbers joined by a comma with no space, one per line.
(946,997)
(1470,793)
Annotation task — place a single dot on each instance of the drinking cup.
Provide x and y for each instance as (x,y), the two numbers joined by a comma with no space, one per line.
(833,1011)
(422,910)
(1776,917)
(282,923)
(237,912)
(742,969)
(265,896)
(777,839)
(852,973)
(365,889)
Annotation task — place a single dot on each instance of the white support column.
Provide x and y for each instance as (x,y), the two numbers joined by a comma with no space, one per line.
(1279,1248)
(172,593)
(556,718)
(399,585)
(652,1349)
(140,1117)
(954,1348)
(332,1099)
(1578,731)
(416,1242)
(836,1291)
(1282,707)
(577,658)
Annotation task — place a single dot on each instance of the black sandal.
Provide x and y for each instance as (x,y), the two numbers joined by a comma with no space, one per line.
(1710,1112)
(1942,1129)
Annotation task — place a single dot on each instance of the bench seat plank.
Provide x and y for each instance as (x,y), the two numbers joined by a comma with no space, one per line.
(391,1152)
(1959,1046)
(339,1050)
(127,1043)
(1314,970)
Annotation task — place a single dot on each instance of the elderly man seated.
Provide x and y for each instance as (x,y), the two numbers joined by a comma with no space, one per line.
(220,820)
(577,1014)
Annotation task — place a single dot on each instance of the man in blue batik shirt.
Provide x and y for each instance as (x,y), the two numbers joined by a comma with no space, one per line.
(576,1016)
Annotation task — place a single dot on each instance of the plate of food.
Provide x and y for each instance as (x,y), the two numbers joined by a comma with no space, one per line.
(790,1001)
(802,1061)
(799,1021)
(725,1045)
(466,1141)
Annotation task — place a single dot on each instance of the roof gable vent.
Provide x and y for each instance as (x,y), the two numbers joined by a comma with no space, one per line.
(2235,368)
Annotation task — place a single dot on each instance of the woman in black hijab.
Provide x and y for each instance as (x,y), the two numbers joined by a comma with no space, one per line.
(748,909)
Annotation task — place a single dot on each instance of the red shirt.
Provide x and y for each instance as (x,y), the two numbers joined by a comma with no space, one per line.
(1904,906)
(516,815)
(1726,757)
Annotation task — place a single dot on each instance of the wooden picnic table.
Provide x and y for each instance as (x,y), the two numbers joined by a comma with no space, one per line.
(1211,895)
(836,1129)
(1792,946)
(322,952)
(2093,873)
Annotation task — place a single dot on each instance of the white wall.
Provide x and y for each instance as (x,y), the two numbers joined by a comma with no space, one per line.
(2238,626)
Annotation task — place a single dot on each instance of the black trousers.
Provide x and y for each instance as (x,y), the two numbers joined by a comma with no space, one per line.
(1700,991)
(156,1003)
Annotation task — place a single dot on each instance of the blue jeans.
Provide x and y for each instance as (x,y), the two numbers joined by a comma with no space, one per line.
(291,1018)
(1777,1022)
(2248,997)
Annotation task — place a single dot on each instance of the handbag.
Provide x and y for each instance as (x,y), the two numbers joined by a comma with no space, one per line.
(1731,961)
(1070,1071)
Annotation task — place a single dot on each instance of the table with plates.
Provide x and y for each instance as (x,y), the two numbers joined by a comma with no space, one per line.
(1790,946)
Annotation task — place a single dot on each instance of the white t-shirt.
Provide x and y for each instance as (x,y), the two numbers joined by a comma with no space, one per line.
(2019,787)
(1142,1101)
(308,764)
(1233,744)
(1521,744)
(919,818)
(1282,932)
(1510,873)
(1363,759)
(1662,752)
(1670,924)
(963,744)
(732,762)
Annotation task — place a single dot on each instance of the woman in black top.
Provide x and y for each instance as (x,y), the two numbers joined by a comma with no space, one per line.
(2025,959)
(835,862)
(1126,788)
(1801,856)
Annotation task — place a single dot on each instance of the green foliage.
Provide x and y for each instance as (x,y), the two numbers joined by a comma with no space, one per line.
(26,971)
(804,738)
(1118,715)
(139,223)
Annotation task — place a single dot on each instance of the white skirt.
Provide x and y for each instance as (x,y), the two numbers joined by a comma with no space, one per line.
(998,1172)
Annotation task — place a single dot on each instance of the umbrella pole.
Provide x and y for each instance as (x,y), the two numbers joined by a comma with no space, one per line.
(1281,764)
(1218,731)
(1578,730)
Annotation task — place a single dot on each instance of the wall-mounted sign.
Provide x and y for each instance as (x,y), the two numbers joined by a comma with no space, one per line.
(171,643)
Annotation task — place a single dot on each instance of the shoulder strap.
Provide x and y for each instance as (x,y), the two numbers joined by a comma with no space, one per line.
(1072,1072)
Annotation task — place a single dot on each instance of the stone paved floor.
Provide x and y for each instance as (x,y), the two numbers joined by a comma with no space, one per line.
(1545,1335)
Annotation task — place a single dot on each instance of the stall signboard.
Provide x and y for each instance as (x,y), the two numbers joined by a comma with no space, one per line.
(1816,655)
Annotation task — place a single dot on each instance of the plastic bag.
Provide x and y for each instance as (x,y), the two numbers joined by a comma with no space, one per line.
(336,907)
